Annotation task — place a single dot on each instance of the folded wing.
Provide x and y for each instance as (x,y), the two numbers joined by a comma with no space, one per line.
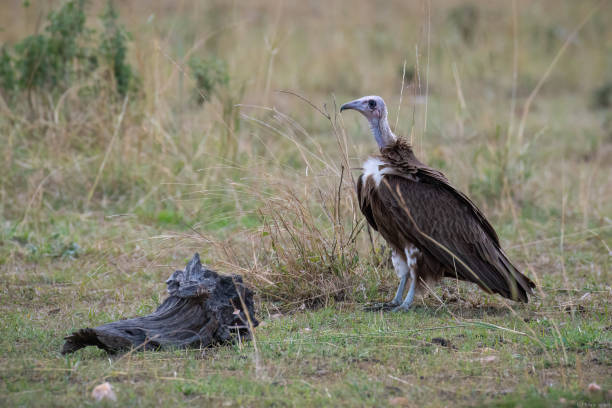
(418,205)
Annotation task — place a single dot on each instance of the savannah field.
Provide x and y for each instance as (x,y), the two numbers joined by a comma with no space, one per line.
(214,128)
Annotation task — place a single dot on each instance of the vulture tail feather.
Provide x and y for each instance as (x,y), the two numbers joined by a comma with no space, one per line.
(522,284)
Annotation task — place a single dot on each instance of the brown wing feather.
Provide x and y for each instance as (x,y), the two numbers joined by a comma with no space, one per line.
(363,192)
(432,176)
(404,163)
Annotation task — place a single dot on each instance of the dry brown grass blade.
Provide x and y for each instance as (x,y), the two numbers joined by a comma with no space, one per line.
(536,89)
(108,150)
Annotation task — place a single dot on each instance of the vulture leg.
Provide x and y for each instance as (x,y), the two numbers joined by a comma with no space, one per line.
(401,269)
(411,265)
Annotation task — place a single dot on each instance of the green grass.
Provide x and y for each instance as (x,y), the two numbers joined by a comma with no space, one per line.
(536,355)
(332,356)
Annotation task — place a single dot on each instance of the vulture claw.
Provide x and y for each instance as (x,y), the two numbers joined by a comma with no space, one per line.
(401,308)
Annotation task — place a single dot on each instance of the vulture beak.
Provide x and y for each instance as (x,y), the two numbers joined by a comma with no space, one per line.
(356,105)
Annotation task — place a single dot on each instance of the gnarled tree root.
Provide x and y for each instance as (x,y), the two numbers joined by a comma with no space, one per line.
(203,309)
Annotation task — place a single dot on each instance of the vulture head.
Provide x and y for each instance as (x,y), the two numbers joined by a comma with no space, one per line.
(375,111)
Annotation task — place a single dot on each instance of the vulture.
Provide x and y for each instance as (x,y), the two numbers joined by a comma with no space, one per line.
(434,230)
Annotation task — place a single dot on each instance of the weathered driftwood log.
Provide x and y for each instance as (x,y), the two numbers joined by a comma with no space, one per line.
(203,309)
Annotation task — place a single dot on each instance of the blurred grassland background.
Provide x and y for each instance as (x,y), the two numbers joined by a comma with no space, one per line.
(157,129)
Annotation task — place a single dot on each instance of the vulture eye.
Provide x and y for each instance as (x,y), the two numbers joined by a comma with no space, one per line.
(371,103)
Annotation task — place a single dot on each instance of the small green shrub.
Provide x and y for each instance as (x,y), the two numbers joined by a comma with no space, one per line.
(210,74)
(64,53)
(7,74)
(213,79)
(465,19)
(113,49)
(602,96)
(53,60)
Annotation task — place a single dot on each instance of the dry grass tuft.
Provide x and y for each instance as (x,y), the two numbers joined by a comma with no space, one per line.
(310,253)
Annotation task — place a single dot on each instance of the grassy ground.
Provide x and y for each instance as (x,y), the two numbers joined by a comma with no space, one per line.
(100,204)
